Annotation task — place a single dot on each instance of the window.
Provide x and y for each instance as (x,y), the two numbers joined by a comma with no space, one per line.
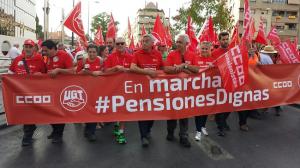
(280,1)
(291,26)
(280,27)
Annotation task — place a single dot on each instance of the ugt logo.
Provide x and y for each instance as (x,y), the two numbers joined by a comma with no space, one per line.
(73,98)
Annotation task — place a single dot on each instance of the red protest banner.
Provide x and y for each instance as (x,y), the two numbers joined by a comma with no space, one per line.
(233,67)
(132,97)
(288,53)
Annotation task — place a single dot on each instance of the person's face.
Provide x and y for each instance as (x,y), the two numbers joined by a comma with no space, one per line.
(105,52)
(48,52)
(61,47)
(92,52)
(274,57)
(110,42)
(205,51)
(180,43)
(147,43)
(162,48)
(224,41)
(120,46)
(28,49)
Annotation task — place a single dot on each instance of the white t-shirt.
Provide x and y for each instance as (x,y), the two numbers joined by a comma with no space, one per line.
(13,52)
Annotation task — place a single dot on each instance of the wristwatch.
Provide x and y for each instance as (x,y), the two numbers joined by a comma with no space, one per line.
(185,66)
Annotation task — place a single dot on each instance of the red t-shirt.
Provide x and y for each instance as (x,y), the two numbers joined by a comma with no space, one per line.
(148,60)
(203,62)
(174,58)
(118,58)
(218,52)
(92,66)
(35,64)
(61,60)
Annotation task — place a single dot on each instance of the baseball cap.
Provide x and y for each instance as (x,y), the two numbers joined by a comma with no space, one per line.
(29,42)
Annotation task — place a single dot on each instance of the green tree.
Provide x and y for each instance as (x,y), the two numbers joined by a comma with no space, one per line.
(101,19)
(38,29)
(199,10)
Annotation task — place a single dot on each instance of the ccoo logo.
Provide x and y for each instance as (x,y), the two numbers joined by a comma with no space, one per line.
(73,98)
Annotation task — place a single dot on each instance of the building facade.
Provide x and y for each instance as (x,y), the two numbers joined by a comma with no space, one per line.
(17,22)
(283,14)
(146,17)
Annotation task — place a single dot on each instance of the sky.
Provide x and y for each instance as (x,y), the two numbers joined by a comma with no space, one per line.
(121,10)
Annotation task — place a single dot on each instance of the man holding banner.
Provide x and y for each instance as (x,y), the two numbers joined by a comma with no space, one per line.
(179,61)
(25,64)
(146,61)
(58,62)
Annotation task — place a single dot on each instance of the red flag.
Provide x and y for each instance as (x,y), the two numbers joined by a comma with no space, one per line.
(247,17)
(111,28)
(129,28)
(249,31)
(99,37)
(169,36)
(273,37)
(288,54)
(233,67)
(207,32)
(235,40)
(190,32)
(138,45)
(74,22)
(295,42)
(40,42)
(159,31)
(131,45)
(144,32)
(261,37)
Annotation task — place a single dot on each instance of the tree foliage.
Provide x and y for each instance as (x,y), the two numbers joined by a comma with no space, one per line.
(101,19)
(199,10)
(39,29)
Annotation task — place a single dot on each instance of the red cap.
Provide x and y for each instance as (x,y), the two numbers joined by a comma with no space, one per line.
(29,42)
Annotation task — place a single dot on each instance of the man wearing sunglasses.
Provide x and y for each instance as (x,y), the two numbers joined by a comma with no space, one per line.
(29,62)
(119,61)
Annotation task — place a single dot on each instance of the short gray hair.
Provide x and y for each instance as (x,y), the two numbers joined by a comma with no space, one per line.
(120,39)
(185,37)
(149,36)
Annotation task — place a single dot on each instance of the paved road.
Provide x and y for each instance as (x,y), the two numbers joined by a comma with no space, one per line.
(271,143)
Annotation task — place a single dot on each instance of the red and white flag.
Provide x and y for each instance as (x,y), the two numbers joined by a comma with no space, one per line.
(235,40)
(74,22)
(159,31)
(249,31)
(191,33)
(129,28)
(273,37)
(207,32)
(144,32)
(131,45)
(247,16)
(111,28)
(169,36)
(261,37)
(99,37)
(288,53)
(233,67)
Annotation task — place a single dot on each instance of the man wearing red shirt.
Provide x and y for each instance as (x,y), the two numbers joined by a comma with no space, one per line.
(28,63)
(146,61)
(222,117)
(58,62)
(179,61)
(119,61)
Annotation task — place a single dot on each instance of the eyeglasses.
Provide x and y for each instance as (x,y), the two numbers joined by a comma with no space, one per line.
(120,43)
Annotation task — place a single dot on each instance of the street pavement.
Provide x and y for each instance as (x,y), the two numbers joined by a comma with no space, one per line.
(272,142)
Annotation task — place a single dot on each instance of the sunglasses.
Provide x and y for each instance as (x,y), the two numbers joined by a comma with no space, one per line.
(120,43)
(204,49)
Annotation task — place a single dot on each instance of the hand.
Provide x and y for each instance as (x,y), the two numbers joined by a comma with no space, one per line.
(121,68)
(152,73)
(53,73)
(179,68)
(97,73)
(37,73)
